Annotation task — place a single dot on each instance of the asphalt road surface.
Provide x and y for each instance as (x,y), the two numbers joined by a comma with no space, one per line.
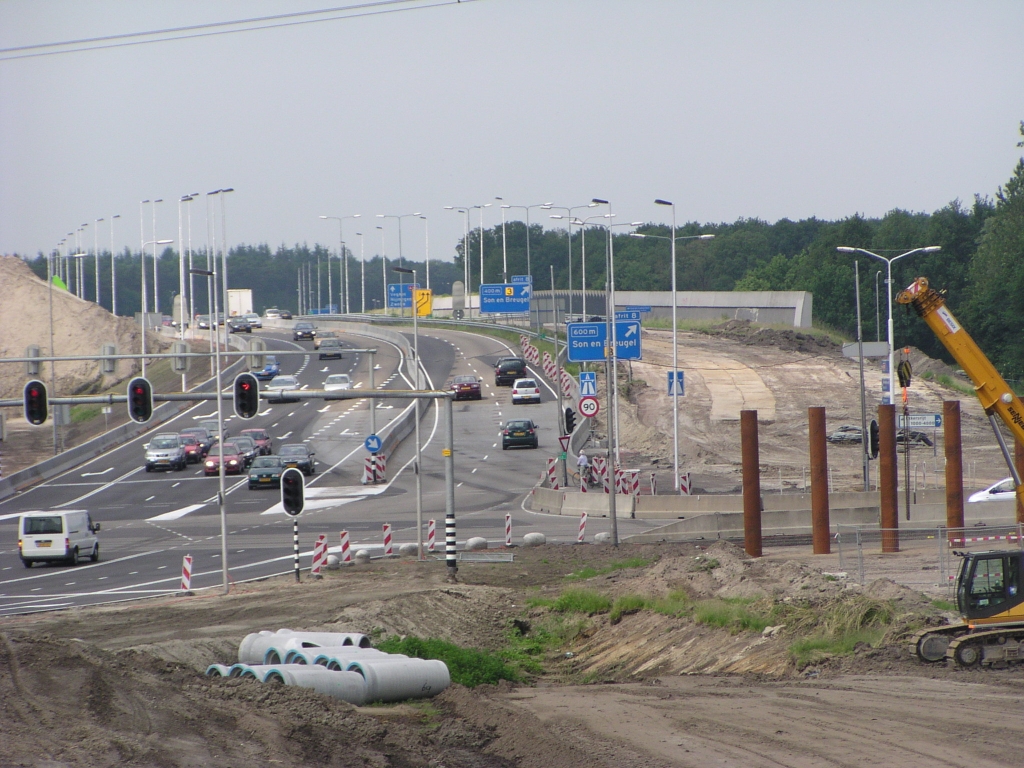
(151,520)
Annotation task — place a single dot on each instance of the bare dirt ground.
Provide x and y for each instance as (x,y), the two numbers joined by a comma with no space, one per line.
(124,686)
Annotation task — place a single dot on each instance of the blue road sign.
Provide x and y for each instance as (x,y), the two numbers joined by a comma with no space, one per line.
(372,443)
(638,308)
(587,341)
(400,295)
(522,279)
(629,314)
(505,298)
(588,384)
(676,384)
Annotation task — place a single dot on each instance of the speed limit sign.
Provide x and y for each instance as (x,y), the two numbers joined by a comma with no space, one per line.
(589,406)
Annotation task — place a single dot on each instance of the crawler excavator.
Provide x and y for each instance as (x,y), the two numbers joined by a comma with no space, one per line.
(989,585)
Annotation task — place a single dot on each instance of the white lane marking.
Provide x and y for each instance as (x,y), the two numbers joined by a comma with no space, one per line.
(325,409)
(93,474)
(176,484)
(151,498)
(485,457)
(291,414)
(264,413)
(325,369)
(304,386)
(176,513)
(473,472)
(286,435)
(101,488)
(274,424)
(311,504)
(494,446)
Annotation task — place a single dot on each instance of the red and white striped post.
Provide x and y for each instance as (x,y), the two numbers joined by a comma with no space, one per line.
(553,473)
(346,551)
(583,528)
(186,573)
(634,482)
(684,483)
(387,539)
(508,530)
(319,556)
(583,484)
(431,534)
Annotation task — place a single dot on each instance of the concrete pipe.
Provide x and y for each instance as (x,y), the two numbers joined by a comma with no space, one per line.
(341,661)
(218,670)
(259,671)
(255,649)
(401,680)
(310,655)
(347,686)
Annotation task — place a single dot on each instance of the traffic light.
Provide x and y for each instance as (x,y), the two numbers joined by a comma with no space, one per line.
(140,400)
(36,402)
(247,396)
(570,420)
(293,491)
(873,439)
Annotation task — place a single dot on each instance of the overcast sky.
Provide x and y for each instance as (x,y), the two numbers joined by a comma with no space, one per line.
(731,109)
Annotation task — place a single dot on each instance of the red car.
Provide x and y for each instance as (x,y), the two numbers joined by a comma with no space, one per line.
(262,439)
(233,461)
(466,388)
(194,452)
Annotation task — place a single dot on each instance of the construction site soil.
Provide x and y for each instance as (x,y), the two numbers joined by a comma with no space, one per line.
(124,684)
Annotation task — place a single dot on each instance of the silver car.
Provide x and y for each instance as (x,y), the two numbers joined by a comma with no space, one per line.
(280,387)
(165,451)
(254,320)
(337,382)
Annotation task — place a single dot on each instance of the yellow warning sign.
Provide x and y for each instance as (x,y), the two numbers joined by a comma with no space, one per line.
(510,291)
(424,299)
(446,453)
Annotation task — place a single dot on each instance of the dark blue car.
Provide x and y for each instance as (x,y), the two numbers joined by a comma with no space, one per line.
(269,370)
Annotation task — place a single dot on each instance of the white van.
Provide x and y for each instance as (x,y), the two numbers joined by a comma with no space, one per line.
(63,536)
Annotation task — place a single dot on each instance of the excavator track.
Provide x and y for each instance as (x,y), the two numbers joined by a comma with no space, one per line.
(996,647)
(930,645)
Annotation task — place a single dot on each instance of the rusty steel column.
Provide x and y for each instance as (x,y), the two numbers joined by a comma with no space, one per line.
(887,480)
(954,465)
(819,481)
(751,483)
(1018,459)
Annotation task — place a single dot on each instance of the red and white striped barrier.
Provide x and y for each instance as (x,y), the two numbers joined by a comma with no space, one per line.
(684,483)
(566,380)
(373,470)
(1008,537)
(387,539)
(654,485)
(600,469)
(620,480)
(431,534)
(380,466)
(553,473)
(346,549)
(547,359)
(508,530)
(319,555)
(583,483)
(186,573)
(583,528)
(634,482)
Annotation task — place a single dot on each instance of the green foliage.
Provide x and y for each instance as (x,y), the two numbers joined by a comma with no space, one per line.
(811,649)
(943,605)
(626,605)
(468,666)
(733,614)
(80,413)
(581,601)
(589,572)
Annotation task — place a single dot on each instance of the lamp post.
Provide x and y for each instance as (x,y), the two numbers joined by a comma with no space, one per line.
(504,244)
(675,335)
(529,266)
(383,269)
(191,287)
(79,272)
(113,268)
(156,267)
(569,216)
(886,399)
(211,276)
(343,271)
(878,326)
(401,255)
(362,275)
(223,255)
(416,370)
(96,253)
(426,246)
(154,243)
(465,256)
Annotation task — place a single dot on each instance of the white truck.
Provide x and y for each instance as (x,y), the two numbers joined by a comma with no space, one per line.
(239,301)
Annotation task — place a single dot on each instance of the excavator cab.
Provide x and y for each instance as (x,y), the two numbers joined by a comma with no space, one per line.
(989,588)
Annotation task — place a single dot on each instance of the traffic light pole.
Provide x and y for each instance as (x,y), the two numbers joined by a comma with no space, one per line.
(295,544)
(558,382)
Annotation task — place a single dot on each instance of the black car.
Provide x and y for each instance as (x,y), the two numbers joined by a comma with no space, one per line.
(518,432)
(239,325)
(265,472)
(285,314)
(303,331)
(247,448)
(298,455)
(203,435)
(508,370)
(330,349)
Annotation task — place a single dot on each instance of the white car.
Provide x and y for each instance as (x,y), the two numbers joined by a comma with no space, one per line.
(1004,489)
(525,391)
(279,388)
(273,314)
(253,319)
(337,382)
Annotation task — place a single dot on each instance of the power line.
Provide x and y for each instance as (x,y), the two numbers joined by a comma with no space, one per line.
(359,10)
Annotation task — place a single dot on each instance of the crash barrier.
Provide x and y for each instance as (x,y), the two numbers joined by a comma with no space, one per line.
(186,573)
(319,556)
(72,457)
(254,646)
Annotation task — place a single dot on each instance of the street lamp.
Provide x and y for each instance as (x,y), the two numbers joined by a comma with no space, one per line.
(583,250)
(529,269)
(465,257)
(426,246)
(223,255)
(362,275)
(569,216)
(886,399)
(96,253)
(343,273)
(113,268)
(416,369)
(79,272)
(675,335)
(154,243)
(211,275)
(401,255)
(383,269)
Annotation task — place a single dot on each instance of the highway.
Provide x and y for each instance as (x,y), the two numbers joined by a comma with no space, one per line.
(151,520)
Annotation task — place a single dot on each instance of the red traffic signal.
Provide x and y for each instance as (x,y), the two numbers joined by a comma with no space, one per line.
(293,491)
(36,402)
(247,396)
(140,400)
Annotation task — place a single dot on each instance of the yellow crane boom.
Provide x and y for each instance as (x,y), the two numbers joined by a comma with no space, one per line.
(994,393)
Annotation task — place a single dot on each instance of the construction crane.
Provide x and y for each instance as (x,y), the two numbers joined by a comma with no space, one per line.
(989,586)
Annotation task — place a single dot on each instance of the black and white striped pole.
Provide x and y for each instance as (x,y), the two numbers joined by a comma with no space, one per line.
(449,503)
(293,488)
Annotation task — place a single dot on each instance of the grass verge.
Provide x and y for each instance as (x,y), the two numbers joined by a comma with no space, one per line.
(589,572)
(468,666)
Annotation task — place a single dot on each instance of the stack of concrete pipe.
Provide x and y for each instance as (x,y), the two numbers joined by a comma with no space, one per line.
(335,664)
